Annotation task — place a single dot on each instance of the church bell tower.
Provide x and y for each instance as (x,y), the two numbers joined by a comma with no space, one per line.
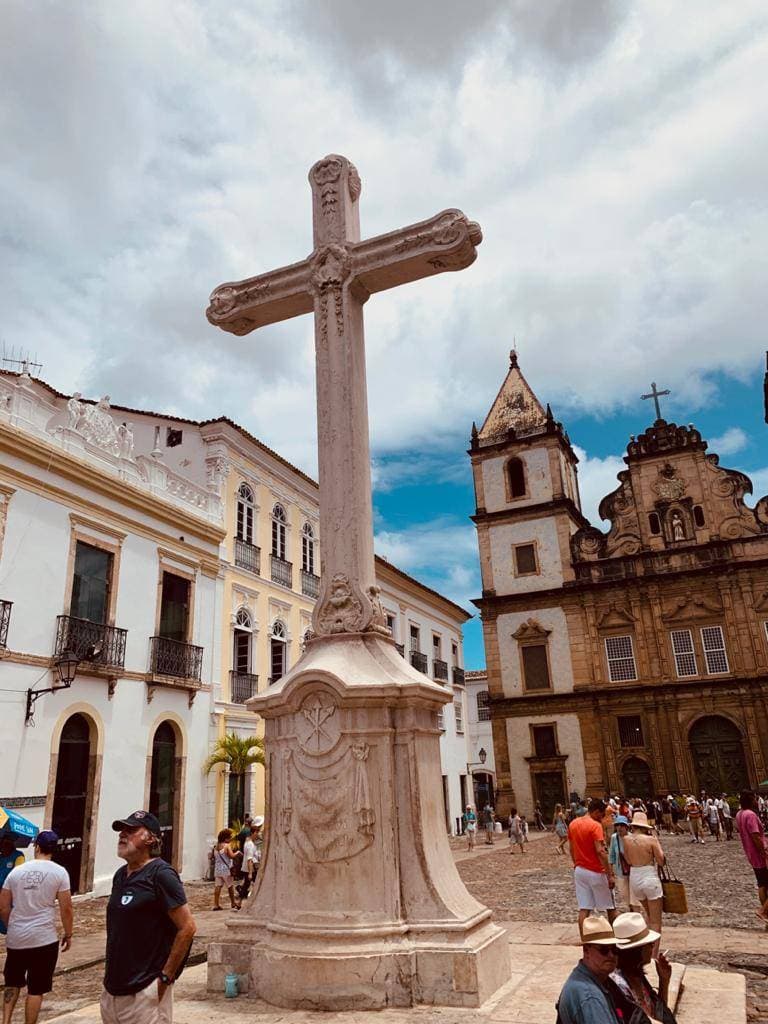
(527,508)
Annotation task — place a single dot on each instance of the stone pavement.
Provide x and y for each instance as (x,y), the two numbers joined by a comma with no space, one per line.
(538,972)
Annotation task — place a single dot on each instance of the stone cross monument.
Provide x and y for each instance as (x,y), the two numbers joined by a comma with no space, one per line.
(358,902)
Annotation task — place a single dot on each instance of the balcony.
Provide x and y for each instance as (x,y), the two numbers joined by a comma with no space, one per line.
(458,676)
(310,584)
(242,686)
(5,618)
(247,556)
(400,649)
(440,670)
(282,572)
(173,658)
(420,661)
(93,642)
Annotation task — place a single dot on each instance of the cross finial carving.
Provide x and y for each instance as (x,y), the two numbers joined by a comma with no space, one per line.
(656,395)
(334,282)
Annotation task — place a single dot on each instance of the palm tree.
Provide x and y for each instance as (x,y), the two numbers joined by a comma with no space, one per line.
(239,752)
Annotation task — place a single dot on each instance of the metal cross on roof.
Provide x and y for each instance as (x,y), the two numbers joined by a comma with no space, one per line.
(656,395)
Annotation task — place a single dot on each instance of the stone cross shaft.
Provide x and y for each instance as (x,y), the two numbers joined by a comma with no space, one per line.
(335,281)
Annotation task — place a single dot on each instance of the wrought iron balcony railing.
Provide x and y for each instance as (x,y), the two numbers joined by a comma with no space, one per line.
(419,661)
(93,642)
(400,649)
(440,670)
(458,676)
(247,556)
(173,658)
(310,584)
(242,686)
(282,572)
(5,618)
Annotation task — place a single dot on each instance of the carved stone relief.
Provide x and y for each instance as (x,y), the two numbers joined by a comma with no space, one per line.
(341,611)
(327,812)
(317,724)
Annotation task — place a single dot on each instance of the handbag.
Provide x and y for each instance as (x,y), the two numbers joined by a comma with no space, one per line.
(675,900)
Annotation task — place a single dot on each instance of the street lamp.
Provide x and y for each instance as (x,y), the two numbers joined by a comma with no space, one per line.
(66,669)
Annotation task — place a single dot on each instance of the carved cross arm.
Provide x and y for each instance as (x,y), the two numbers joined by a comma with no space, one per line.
(445,242)
(241,306)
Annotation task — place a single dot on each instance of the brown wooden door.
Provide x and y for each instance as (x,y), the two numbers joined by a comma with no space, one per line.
(549,790)
(718,755)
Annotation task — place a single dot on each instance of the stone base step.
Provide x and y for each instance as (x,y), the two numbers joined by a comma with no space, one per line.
(529,997)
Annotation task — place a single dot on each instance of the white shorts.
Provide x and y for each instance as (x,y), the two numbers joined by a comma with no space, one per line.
(592,890)
(644,883)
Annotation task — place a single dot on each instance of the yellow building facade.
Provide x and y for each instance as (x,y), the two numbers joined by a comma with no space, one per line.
(270,572)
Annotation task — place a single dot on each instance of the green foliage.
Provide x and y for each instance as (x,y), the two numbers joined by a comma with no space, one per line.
(239,752)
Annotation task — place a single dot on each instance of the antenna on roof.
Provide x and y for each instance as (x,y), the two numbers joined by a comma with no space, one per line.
(20,361)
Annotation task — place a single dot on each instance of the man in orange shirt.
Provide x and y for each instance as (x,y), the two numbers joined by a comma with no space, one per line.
(592,872)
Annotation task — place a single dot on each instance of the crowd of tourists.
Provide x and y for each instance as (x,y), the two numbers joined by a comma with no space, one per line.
(235,860)
(618,859)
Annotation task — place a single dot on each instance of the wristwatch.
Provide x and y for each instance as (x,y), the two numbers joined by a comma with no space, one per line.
(165,979)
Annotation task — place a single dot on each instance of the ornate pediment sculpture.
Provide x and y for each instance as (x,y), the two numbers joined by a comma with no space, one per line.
(531,629)
(615,616)
(689,606)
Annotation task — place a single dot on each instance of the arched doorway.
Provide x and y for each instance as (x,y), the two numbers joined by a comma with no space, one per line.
(718,755)
(70,800)
(636,776)
(162,786)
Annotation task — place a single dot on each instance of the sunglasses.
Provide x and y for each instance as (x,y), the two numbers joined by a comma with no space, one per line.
(606,950)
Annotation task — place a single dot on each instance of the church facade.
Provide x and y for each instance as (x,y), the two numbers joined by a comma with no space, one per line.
(632,660)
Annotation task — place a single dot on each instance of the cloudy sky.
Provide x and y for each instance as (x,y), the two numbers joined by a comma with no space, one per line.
(615,155)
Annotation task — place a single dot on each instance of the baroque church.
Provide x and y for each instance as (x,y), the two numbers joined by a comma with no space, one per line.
(632,660)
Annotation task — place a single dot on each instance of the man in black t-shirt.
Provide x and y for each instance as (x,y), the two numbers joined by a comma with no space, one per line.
(149,928)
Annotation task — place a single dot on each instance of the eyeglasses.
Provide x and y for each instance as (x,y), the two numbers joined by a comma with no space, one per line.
(606,950)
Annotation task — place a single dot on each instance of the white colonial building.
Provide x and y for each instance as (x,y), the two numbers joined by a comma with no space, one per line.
(111,556)
(131,547)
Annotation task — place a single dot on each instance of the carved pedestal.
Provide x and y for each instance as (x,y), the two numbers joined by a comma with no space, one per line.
(358,903)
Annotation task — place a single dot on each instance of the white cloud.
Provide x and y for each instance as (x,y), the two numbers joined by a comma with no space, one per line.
(442,553)
(597,477)
(733,440)
(616,160)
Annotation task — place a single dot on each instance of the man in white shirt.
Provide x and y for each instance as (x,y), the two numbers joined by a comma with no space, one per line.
(28,907)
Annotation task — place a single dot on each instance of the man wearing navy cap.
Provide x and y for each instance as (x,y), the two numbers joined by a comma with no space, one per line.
(149,928)
(28,908)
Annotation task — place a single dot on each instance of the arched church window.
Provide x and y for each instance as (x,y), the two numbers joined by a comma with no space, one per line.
(654,523)
(698,515)
(279,519)
(516,478)
(245,506)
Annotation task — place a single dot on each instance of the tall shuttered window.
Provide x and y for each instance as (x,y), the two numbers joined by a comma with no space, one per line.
(685,656)
(713,642)
(535,667)
(621,659)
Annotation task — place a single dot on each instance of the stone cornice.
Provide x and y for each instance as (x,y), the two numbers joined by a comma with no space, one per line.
(536,511)
(617,697)
(574,589)
(28,448)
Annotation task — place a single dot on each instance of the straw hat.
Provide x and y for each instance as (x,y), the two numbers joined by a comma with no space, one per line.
(597,931)
(631,931)
(640,820)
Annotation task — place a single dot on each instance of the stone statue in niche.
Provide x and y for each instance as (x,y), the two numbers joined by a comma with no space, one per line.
(75,411)
(678,527)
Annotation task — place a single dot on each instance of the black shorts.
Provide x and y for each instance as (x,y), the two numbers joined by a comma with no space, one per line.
(761,874)
(32,968)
